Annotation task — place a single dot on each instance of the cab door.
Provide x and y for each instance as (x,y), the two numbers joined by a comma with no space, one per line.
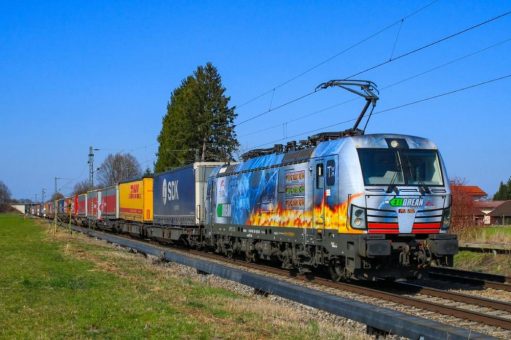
(326,193)
(318,209)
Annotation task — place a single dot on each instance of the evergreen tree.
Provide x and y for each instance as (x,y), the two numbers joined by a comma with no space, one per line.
(504,192)
(199,123)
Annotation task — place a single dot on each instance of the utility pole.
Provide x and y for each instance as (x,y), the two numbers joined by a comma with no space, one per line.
(43,191)
(55,204)
(55,208)
(91,166)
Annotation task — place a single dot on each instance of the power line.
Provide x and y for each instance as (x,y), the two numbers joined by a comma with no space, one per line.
(436,42)
(444,94)
(395,108)
(347,49)
(277,107)
(406,54)
(382,88)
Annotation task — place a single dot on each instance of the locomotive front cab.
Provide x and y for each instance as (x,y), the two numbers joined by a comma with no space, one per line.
(404,211)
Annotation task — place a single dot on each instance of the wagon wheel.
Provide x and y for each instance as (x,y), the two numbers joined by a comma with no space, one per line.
(336,270)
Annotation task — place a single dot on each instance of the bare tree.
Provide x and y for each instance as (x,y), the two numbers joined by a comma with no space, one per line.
(82,187)
(462,207)
(56,196)
(118,167)
(5,197)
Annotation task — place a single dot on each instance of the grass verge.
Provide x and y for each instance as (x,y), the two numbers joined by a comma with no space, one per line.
(483,262)
(61,286)
(500,234)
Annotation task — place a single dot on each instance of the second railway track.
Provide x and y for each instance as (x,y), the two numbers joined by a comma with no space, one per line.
(383,293)
(486,280)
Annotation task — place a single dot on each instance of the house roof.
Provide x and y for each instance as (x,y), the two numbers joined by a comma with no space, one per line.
(472,190)
(503,209)
(487,204)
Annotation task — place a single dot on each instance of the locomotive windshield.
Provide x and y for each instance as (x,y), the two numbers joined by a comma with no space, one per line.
(400,167)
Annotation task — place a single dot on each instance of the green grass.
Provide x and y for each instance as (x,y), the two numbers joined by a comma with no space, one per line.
(483,262)
(501,234)
(69,286)
(492,231)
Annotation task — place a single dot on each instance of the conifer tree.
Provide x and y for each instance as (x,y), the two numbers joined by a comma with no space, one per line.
(199,124)
(504,192)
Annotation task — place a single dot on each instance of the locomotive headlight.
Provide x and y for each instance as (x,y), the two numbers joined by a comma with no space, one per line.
(358,217)
(446,219)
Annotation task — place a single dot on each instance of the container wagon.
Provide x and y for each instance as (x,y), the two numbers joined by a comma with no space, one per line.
(135,205)
(180,202)
(108,206)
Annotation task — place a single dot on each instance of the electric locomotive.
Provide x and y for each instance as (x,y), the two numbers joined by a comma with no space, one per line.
(365,206)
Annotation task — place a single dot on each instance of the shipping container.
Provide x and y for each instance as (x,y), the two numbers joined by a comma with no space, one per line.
(136,200)
(93,202)
(69,206)
(180,195)
(48,209)
(60,207)
(80,205)
(109,207)
(51,209)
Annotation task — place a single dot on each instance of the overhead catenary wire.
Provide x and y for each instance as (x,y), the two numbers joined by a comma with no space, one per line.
(392,108)
(401,56)
(401,81)
(343,51)
(433,43)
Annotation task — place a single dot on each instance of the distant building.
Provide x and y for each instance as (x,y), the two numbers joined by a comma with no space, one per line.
(473,191)
(492,212)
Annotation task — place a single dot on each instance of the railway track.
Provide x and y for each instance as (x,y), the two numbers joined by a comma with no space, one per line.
(485,280)
(393,292)
(397,293)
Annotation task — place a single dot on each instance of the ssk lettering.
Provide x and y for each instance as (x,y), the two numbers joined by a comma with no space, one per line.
(172,188)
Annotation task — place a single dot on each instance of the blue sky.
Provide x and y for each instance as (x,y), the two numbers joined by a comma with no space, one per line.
(80,73)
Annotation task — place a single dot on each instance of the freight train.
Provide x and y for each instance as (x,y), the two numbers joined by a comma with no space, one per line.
(366,206)
(361,206)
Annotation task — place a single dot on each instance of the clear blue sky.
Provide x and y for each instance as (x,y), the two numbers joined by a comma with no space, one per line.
(80,73)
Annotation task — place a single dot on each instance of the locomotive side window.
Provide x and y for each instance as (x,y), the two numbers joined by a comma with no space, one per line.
(330,172)
(319,175)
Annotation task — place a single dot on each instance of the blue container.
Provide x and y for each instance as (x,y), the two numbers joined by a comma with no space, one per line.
(180,195)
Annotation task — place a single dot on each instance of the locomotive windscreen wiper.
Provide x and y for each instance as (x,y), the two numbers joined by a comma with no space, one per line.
(392,186)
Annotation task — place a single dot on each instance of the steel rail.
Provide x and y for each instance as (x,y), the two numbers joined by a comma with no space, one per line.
(471,278)
(365,290)
(475,275)
(375,317)
(453,296)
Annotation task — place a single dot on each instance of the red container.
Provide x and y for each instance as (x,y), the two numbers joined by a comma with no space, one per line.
(93,201)
(108,203)
(81,205)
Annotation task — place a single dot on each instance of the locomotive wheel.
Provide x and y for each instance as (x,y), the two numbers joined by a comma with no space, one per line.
(336,272)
